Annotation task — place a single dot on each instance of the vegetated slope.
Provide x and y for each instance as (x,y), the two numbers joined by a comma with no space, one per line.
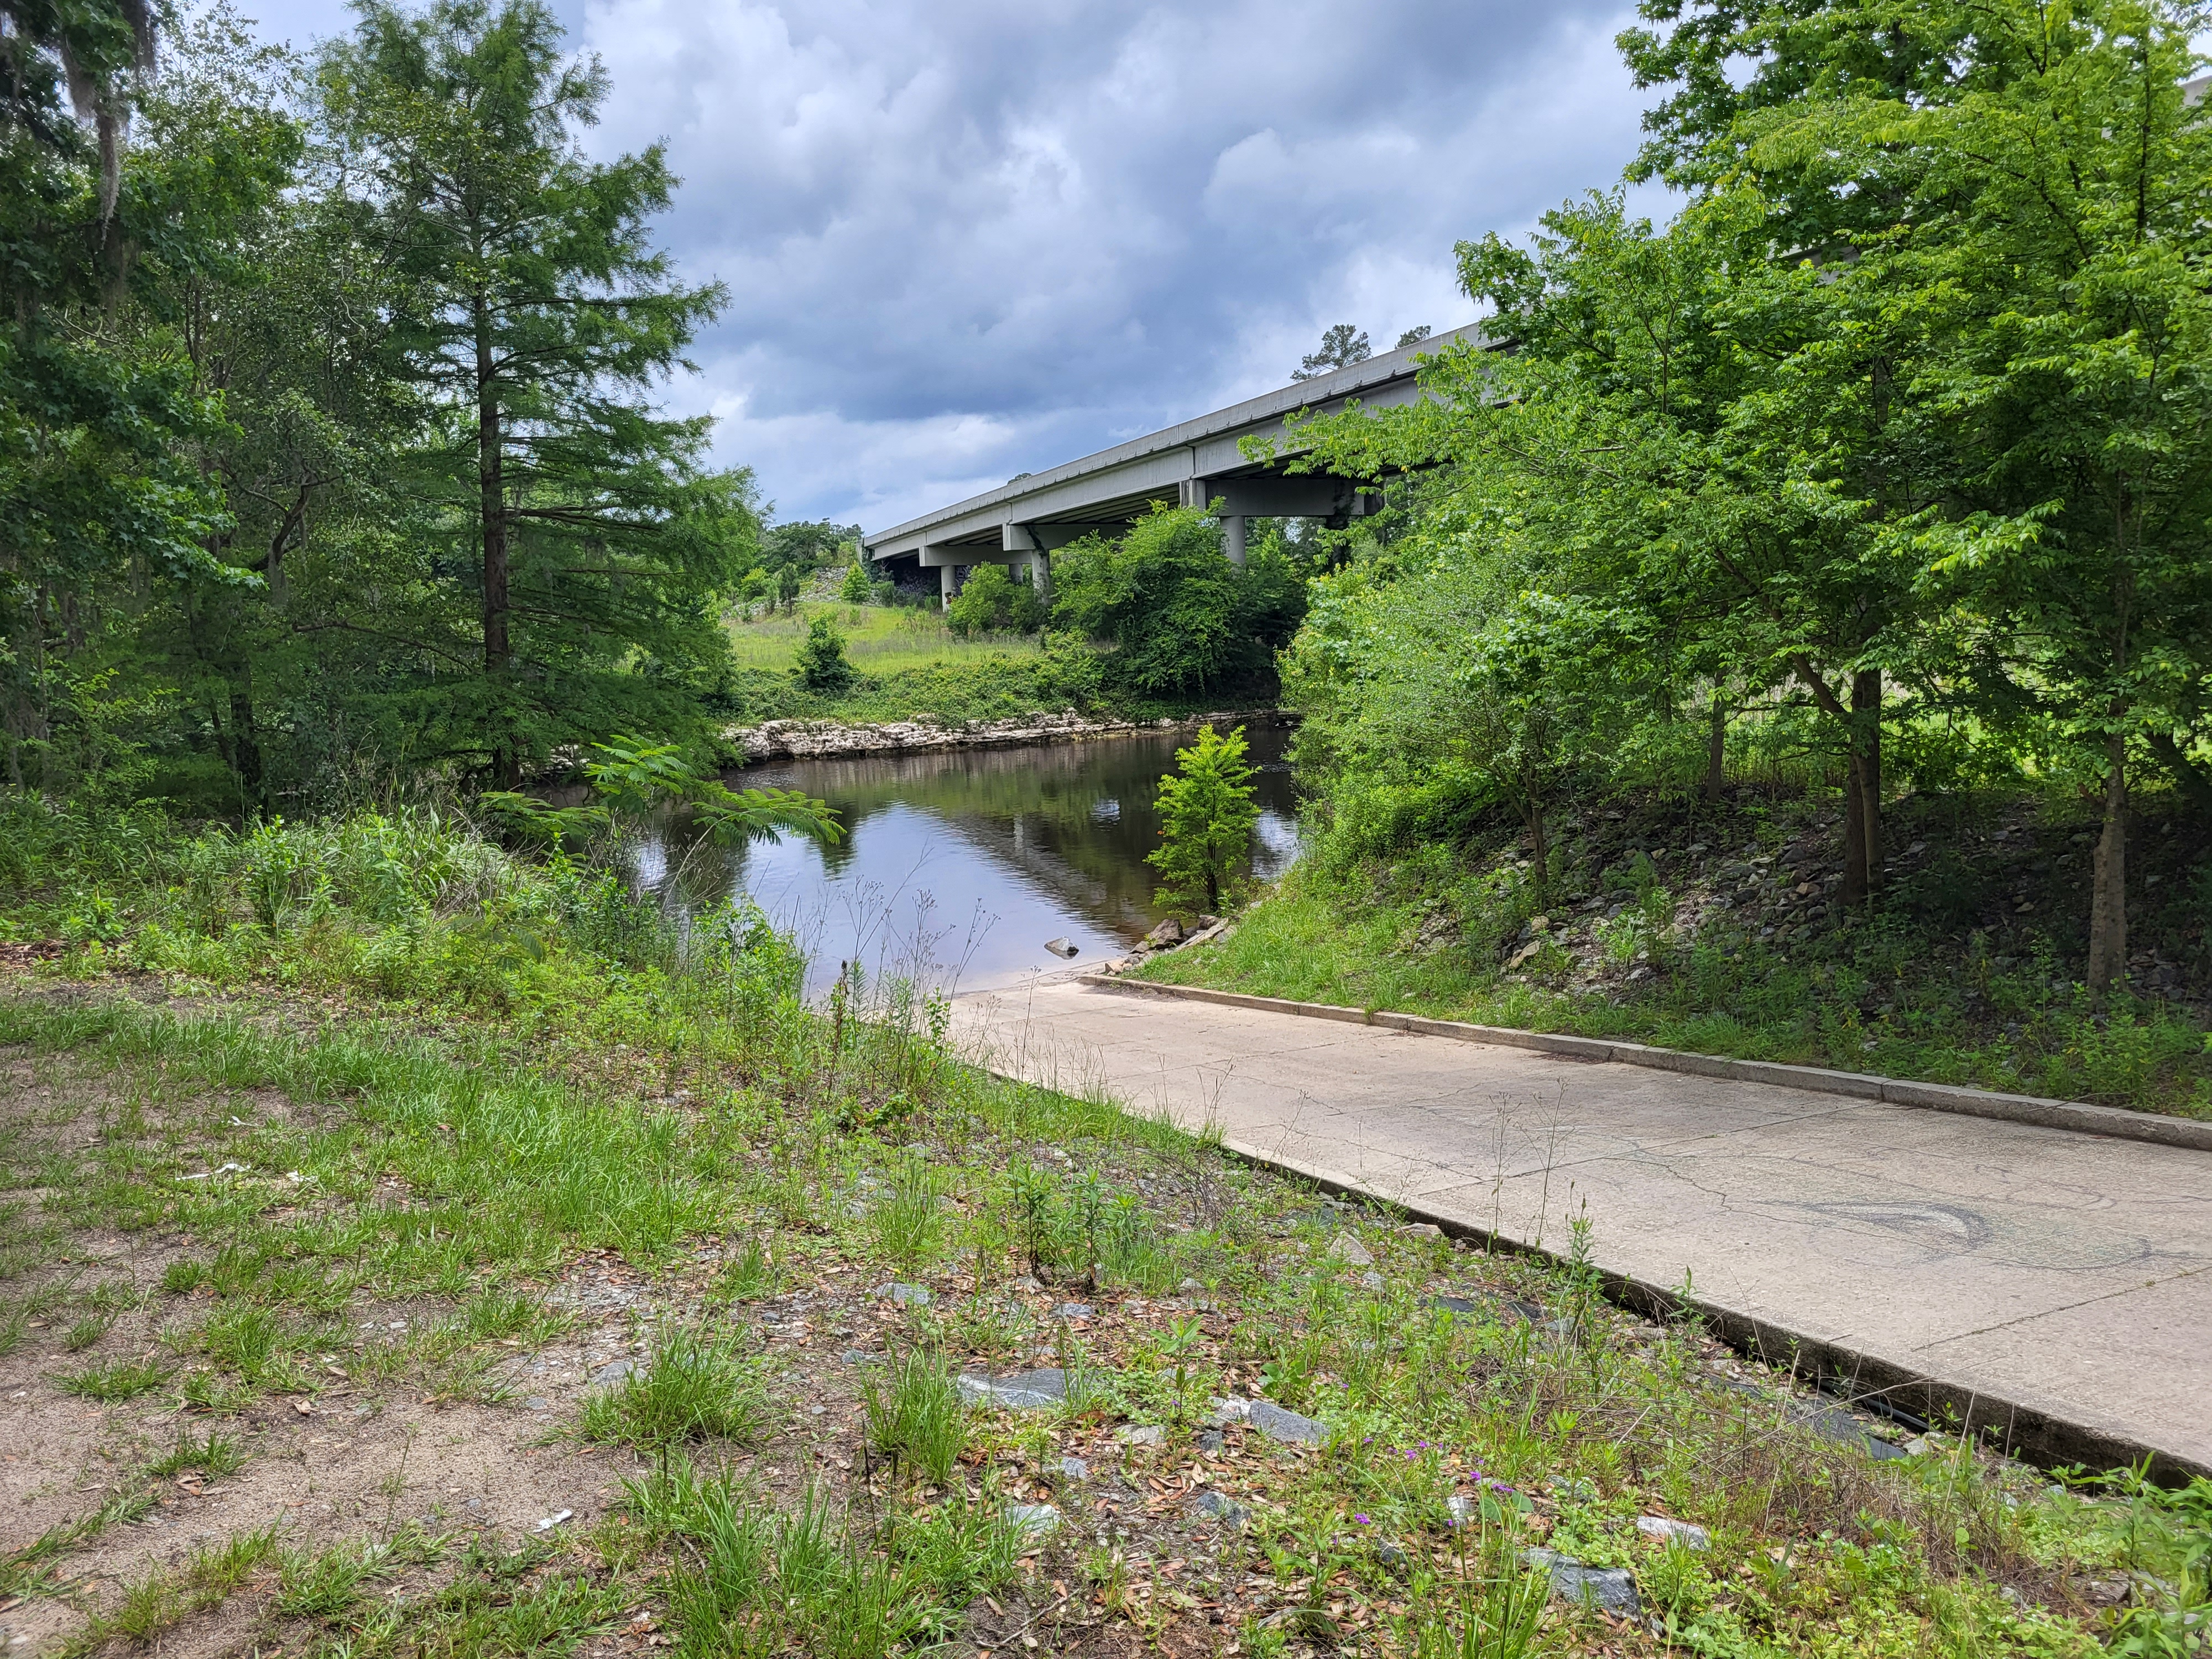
(1717,929)
(596,1294)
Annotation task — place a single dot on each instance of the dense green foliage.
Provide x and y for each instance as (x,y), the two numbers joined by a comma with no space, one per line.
(1206,814)
(1890,455)
(329,439)
(991,601)
(1181,618)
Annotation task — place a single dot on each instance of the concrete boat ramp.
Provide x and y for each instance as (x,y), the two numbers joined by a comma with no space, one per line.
(2049,1284)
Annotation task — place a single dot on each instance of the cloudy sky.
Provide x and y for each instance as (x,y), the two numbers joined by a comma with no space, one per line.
(965,239)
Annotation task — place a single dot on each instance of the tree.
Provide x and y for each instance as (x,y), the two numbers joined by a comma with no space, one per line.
(531,310)
(99,495)
(1341,346)
(1412,336)
(992,602)
(856,588)
(1206,814)
(1182,617)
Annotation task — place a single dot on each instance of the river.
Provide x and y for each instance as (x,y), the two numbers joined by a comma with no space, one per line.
(958,865)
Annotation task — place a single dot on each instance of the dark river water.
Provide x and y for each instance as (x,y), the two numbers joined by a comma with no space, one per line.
(957,866)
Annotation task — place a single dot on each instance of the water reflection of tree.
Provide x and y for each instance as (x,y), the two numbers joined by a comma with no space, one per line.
(1036,807)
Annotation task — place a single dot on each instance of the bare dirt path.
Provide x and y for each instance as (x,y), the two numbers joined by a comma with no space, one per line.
(2055,1284)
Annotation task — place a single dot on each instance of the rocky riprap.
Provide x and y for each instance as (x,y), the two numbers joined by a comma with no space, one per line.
(809,739)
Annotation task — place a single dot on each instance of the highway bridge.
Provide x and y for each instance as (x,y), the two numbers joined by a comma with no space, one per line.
(1197,464)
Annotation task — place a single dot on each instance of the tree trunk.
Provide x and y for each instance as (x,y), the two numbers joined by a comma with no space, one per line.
(2108,901)
(1716,748)
(492,501)
(1866,704)
(246,748)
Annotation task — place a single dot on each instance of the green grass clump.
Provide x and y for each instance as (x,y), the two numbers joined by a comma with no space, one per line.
(218,1455)
(117,1380)
(914,1415)
(696,1385)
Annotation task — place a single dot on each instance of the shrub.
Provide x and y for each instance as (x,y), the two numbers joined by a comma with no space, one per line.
(1185,619)
(698,1386)
(822,664)
(992,602)
(858,589)
(1206,817)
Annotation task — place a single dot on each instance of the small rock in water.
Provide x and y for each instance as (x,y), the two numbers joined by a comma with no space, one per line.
(1688,1533)
(1039,1518)
(1063,947)
(907,1296)
(1608,1589)
(1348,1249)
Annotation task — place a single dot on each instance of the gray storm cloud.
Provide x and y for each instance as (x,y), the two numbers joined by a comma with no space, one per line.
(970,239)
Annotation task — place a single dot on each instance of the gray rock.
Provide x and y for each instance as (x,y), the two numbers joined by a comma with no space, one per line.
(1038,1518)
(1455,1305)
(537,1402)
(1074,1310)
(1212,1440)
(1065,948)
(1220,1413)
(1688,1533)
(1389,1553)
(907,1296)
(853,1356)
(1213,1506)
(1372,1280)
(1349,1250)
(1464,1508)
(1141,1434)
(1025,1391)
(1277,1424)
(1608,1589)
(1423,1230)
(1071,1468)
(617,1370)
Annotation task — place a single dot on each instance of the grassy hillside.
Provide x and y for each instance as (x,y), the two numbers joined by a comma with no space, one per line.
(1715,928)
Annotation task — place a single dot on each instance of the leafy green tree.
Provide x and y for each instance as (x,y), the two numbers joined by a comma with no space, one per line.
(1206,814)
(857,589)
(1181,617)
(822,664)
(633,779)
(532,312)
(992,602)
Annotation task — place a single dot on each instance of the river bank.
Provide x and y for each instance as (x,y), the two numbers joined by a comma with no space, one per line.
(816,739)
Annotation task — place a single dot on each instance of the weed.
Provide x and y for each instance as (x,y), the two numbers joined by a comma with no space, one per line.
(118,1379)
(218,1455)
(697,1385)
(325,1585)
(910,1220)
(87,1331)
(22,1573)
(915,1416)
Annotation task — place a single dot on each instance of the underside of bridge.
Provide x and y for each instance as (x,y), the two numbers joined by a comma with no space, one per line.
(1202,463)
(1026,544)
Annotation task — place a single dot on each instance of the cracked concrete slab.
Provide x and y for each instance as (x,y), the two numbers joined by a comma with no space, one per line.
(2049,1282)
